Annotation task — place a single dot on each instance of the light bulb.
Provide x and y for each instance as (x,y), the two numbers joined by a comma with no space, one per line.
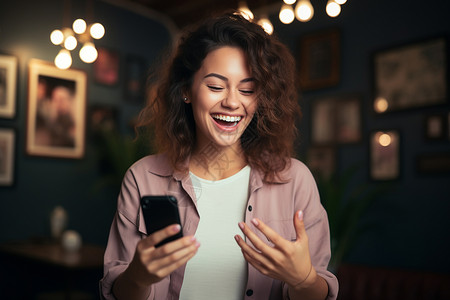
(245,11)
(79,26)
(289,2)
(57,37)
(304,11)
(340,2)
(63,60)
(266,25)
(97,31)
(333,9)
(88,53)
(70,42)
(381,105)
(384,139)
(286,14)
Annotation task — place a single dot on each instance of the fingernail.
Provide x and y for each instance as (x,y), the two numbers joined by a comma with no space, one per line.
(176,228)
(241,225)
(255,222)
(236,237)
(300,215)
(193,238)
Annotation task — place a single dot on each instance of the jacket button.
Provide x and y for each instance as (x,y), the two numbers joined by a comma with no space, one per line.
(249,292)
(250,208)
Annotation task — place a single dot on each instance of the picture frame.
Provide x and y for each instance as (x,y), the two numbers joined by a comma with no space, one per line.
(135,79)
(410,76)
(106,67)
(384,155)
(433,163)
(436,127)
(7,156)
(321,160)
(102,118)
(8,86)
(336,120)
(56,111)
(319,60)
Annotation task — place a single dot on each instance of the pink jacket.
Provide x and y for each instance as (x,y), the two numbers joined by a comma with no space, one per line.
(275,204)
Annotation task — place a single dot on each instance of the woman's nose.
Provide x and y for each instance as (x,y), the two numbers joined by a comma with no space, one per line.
(231,100)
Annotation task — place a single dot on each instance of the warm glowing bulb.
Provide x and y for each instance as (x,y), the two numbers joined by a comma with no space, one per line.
(340,2)
(70,42)
(289,2)
(384,139)
(245,11)
(97,31)
(79,26)
(57,37)
(88,53)
(266,25)
(286,14)
(63,60)
(304,11)
(381,105)
(333,9)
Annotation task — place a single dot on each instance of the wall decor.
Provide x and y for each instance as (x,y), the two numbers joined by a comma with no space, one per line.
(436,127)
(56,111)
(433,163)
(7,149)
(321,160)
(8,86)
(319,60)
(102,118)
(384,155)
(106,67)
(336,119)
(411,76)
(135,78)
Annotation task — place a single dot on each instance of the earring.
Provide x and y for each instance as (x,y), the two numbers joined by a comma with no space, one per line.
(185,99)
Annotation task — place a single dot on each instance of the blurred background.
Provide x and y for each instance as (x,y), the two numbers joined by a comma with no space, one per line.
(374,91)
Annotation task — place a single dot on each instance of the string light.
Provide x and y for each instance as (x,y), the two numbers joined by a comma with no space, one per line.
(304,11)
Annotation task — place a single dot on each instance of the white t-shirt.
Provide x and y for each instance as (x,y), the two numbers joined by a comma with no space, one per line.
(218,270)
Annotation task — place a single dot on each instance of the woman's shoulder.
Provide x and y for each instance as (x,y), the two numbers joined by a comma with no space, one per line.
(155,163)
(295,169)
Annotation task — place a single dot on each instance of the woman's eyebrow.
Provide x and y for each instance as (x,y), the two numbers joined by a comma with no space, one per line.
(226,79)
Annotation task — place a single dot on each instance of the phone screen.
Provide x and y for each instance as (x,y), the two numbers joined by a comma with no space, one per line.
(160,212)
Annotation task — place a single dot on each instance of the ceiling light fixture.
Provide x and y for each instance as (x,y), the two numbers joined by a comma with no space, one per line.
(304,11)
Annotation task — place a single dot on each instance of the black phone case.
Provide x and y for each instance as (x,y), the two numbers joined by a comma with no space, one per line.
(160,212)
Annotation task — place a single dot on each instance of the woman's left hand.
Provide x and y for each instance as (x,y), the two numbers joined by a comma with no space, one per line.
(286,260)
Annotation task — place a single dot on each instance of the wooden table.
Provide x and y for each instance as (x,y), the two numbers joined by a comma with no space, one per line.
(30,268)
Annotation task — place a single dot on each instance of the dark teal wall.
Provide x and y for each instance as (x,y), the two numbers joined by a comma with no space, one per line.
(410,224)
(42,183)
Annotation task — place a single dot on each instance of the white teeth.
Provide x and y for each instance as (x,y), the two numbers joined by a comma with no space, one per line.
(227,118)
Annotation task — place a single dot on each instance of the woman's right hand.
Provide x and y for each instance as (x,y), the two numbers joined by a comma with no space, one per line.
(150,264)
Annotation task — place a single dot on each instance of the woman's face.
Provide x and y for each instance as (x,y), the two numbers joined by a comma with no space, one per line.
(223,98)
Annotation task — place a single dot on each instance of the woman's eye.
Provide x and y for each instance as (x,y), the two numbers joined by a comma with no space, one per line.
(247,92)
(215,88)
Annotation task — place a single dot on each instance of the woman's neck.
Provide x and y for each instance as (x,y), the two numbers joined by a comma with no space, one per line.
(214,163)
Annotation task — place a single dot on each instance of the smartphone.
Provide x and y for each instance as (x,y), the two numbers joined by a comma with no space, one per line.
(160,212)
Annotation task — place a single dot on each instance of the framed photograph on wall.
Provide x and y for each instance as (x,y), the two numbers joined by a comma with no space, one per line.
(436,127)
(319,60)
(7,149)
(8,86)
(336,120)
(411,76)
(106,67)
(56,111)
(384,155)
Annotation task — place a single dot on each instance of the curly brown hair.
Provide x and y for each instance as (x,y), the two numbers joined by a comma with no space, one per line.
(268,140)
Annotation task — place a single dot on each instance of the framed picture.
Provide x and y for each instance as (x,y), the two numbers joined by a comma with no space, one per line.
(7,148)
(436,127)
(321,160)
(319,61)
(135,79)
(434,163)
(56,111)
(102,118)
(336,119)
(384,155)
(411,76)
(8,86)
(106,67)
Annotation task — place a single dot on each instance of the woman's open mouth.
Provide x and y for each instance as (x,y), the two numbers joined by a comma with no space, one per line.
(226,121)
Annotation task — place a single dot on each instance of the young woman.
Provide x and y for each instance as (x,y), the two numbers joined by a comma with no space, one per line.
(224,117)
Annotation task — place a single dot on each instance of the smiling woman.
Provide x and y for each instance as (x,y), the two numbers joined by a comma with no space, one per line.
(224,115)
